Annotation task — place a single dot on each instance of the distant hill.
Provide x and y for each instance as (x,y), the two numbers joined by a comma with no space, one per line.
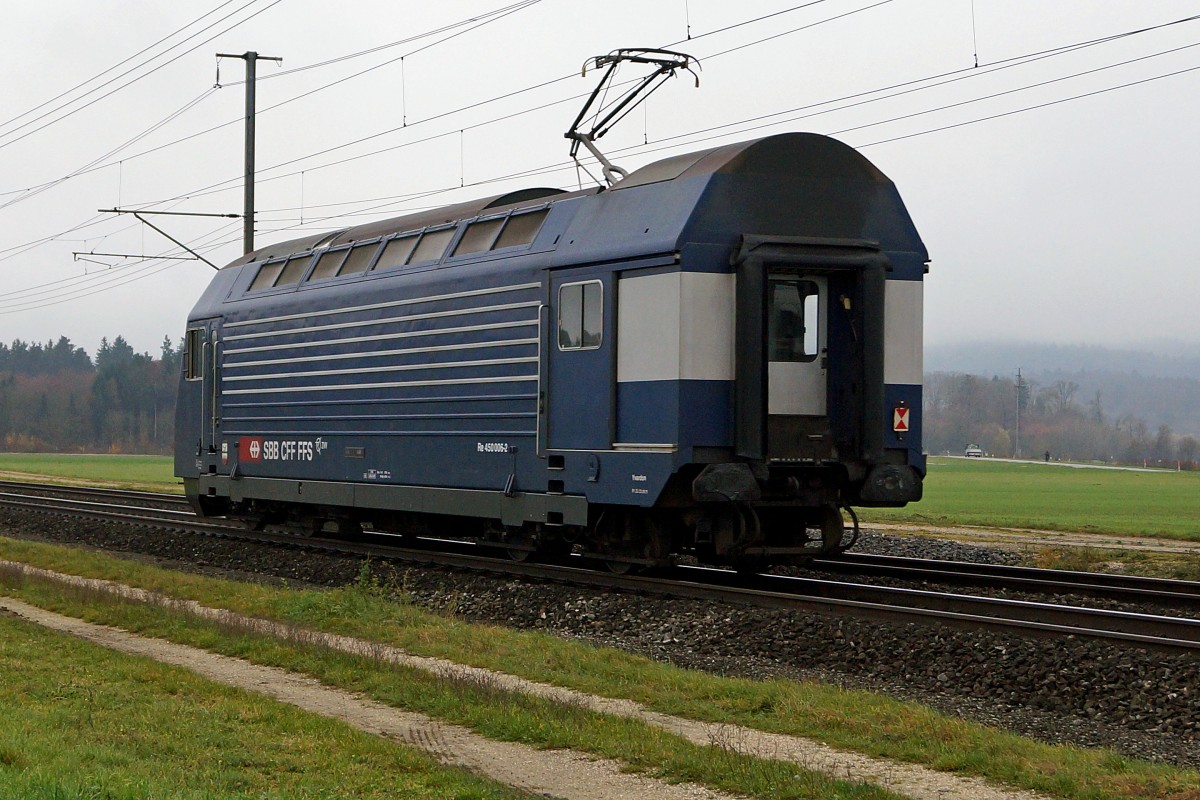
(1158,382)
(1160,359)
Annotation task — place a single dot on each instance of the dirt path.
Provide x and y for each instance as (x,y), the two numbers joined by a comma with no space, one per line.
(451,742)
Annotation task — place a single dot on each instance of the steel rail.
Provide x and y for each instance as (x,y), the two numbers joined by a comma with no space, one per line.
(1129,588)
(700,583)
(94,493)
(108,511)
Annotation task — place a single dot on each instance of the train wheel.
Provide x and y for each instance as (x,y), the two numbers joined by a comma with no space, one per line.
(522,544)
(618,567)
(833,529)
(629,541)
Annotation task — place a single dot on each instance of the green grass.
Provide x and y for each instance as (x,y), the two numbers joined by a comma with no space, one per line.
(153,473)
(858,721)
(478,704)
(1036,495)
(81,721)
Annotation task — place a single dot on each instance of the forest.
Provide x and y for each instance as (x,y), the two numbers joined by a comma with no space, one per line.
(54,397)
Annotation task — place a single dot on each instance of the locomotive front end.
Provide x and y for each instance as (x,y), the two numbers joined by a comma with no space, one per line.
(828,292)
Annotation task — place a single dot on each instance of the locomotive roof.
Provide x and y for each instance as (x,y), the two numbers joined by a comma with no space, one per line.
(829,186)
(408,222)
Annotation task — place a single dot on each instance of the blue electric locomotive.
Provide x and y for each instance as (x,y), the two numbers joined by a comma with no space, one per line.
(714,356)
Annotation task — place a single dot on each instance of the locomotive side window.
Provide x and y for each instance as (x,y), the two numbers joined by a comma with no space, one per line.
(266,276)
(359,259)
(396,253)
(194,354)
(521,229)
(432,245)
(327,265)
(792,324)
(478,236)
(580,316)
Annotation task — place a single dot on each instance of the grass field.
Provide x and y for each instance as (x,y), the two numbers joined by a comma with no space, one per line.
(1054,497)
(131,472)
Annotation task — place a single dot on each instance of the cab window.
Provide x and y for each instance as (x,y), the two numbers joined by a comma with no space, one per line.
(580,316)
(193,357)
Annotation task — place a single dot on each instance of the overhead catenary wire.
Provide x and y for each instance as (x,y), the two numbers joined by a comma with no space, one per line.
(19,249)
(921,84)
(489,17)
(1129,33)
(450,112)
(1014,61)
(743,129)
(84,83)
(740,126)
(565,166)
(743,23)
(407,40)
(229,181)
(97,220)
(136,138)
(92,102)
(1047,104)
(108,279)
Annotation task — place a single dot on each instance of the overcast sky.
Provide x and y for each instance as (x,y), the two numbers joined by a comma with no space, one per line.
(1056,189)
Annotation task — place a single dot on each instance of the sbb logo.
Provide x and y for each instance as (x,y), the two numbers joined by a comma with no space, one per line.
(250,450)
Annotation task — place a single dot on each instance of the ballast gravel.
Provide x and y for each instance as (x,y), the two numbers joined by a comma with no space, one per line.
(1140,703)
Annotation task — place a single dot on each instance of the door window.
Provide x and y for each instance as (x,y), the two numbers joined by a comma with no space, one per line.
(580,315)
(793,322)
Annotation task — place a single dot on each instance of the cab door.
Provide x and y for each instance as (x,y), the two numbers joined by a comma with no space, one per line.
(809,336)
(203,348)
(581,361)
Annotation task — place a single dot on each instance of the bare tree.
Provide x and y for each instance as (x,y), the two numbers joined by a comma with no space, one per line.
(1187,448)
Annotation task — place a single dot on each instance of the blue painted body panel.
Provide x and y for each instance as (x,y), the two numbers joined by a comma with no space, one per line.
(683,413)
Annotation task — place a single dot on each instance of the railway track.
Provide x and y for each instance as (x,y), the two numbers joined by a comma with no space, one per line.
(1126,588)
(799,594)
(95,494)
